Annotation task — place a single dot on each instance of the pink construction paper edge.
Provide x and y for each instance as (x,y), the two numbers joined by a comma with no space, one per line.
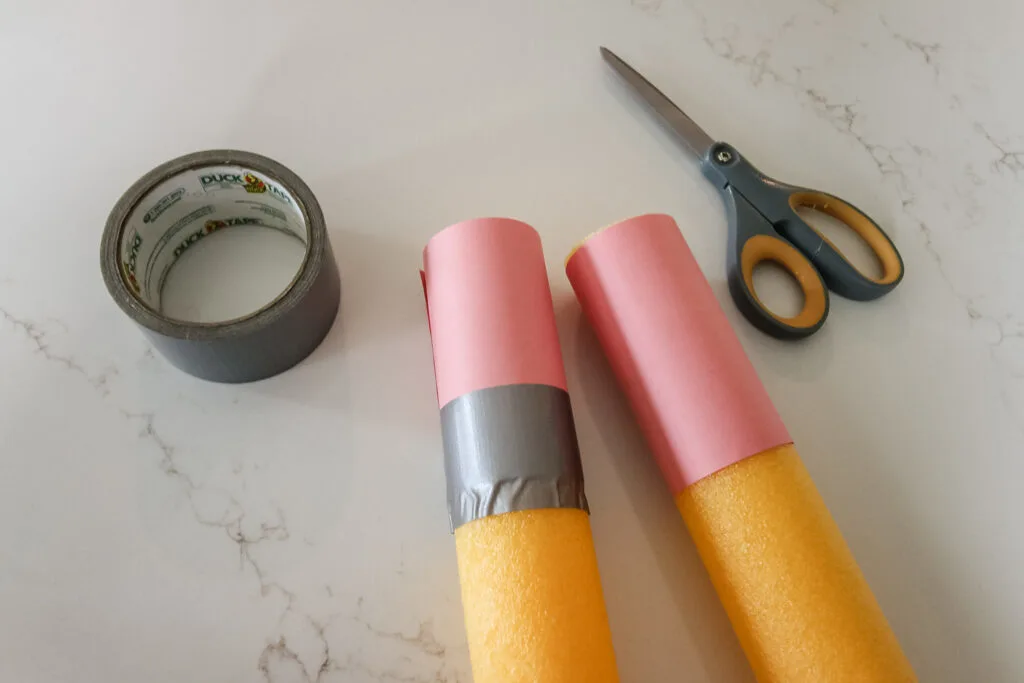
(695,393)
(489,307)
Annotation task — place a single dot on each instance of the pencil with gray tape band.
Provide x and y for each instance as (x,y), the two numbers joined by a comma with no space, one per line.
(531,592)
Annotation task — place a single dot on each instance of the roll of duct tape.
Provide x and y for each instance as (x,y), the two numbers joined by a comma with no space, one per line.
(186,199)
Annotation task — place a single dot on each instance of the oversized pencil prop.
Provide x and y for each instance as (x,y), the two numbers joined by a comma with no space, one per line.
(794,593)
(530,588)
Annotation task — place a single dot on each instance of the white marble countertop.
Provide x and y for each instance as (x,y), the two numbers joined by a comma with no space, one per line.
(160,528)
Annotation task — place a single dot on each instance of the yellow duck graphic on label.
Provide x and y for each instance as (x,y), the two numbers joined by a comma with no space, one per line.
(254,184)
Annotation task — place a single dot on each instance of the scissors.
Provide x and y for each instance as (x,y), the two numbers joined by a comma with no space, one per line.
(764,226)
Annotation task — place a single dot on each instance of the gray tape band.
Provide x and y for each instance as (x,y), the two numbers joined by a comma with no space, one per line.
(508,449)
(181,201)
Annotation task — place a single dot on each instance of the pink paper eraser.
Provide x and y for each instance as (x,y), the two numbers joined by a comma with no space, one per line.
(492,320)
(693,389)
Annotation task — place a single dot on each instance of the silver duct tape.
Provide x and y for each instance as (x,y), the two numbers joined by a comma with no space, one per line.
(180,202)
(509,449)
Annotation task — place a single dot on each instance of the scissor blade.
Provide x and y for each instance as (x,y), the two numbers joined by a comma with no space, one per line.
(682,125)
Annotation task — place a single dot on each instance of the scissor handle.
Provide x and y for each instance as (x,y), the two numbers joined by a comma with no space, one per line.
(841,276)
(752,241)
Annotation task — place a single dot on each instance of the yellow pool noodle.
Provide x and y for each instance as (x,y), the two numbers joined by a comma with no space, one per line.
(793,592)
(532,598)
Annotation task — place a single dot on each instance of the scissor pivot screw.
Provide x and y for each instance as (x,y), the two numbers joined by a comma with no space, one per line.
(723,156)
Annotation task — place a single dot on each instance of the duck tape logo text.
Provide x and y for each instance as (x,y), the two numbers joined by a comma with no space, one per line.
(210,227)
(130,262)
(249,181)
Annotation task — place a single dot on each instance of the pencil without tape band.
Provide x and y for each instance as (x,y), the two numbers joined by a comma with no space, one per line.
(531,592)
(795,596)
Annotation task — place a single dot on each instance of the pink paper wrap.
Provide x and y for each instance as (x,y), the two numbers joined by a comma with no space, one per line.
(696,395)
(492,321)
